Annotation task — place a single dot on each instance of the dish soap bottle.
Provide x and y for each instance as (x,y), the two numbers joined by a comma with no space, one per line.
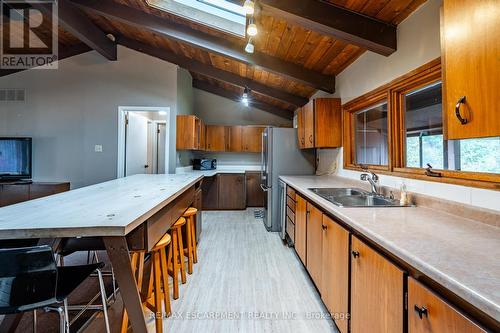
(403,201)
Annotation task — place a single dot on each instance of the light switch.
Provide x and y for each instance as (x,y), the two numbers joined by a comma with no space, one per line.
(98,148)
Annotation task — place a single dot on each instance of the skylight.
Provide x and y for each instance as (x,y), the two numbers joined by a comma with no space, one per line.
(219,14)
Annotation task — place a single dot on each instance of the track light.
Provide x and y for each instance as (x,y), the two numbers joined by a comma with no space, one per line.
(252,28)
(249,48)
(249,7)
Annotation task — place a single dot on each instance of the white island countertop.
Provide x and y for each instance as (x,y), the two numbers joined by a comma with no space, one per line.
(460,254)
(113,208)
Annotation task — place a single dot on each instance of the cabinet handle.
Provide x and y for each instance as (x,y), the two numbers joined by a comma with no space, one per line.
(311,138)
(324,227)
(422,311)
(355,254)
(461,101)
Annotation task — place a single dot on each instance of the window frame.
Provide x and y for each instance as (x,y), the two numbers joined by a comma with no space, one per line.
(394,93)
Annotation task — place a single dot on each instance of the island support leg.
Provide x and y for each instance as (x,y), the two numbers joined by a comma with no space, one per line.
(120,260)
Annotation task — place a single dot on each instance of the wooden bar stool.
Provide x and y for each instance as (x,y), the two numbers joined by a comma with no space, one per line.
(190,251)
(176,255)
(158,282)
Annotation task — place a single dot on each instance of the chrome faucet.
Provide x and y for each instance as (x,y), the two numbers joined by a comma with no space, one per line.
(373,180)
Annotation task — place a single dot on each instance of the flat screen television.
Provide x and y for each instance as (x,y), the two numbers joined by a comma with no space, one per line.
(15,158)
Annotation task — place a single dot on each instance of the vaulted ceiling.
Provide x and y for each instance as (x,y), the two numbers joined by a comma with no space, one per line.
(301,46)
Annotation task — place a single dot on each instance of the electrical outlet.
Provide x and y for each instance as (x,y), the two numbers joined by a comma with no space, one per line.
(98,148)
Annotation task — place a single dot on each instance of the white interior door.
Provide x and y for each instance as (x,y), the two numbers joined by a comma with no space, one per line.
(136,146)
(161,147)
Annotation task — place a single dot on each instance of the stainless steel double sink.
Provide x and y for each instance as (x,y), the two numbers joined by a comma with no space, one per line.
(355,197)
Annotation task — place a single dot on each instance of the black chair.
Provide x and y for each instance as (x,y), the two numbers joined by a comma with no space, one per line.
(31,280)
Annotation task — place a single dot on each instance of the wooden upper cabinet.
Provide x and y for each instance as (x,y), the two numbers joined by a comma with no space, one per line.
(234,138)
(319,124)
(314,243)
(335,272)
(376,292)
(252,139)
(215,138)
(471,68)
(190,133)
(301,135)
(428,313)
(301,228)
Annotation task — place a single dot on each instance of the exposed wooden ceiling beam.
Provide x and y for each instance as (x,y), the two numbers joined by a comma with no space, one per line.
(338,22)
(207,42)
(213,72)
(203,85)
(79,25)
(64,52)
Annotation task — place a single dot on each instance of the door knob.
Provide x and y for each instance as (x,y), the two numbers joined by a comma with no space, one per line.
(422,311)
(146,166)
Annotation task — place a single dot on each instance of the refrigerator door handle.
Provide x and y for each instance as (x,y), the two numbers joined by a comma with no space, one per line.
(264,188)
(262,158)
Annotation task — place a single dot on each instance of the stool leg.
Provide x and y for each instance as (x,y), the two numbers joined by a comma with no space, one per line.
(157,292)
(193,238)
(181,256)
(189,250)
(175,263)
(164,274)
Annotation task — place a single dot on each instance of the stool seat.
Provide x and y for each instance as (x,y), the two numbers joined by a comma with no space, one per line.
(190,212)
(179,223)
(164,241)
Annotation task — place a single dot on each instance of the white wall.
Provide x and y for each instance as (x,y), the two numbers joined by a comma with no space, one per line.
(217,110)
(418,43)
(69,110)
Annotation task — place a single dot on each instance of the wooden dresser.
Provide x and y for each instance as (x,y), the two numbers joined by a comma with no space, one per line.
(15,192)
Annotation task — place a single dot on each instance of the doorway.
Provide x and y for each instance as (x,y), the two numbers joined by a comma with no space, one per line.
(142,140)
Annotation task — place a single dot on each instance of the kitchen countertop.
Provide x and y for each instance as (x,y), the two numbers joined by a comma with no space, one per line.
(460,254)
(113,208)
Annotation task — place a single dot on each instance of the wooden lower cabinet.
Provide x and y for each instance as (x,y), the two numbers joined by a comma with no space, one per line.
(335,272)
(210,193)
(11,193)
(428,313)
(313,244)
(254,193)
(377,294)
(232,194)
(301,228)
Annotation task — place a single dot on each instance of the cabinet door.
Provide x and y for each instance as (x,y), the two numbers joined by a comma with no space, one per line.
(327,123)
(203,135)
(252,139)
(314,243)
(198,204)
(300,227)
(232,191)
(471,68)
(301,135)
(216,138)
(234,138)
(335,272)
(186,132)
(210,193)
(376,292)
(309,124)
(427,313)
(254,193)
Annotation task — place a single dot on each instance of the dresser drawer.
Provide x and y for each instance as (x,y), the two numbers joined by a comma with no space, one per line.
(290,229)
(290,192)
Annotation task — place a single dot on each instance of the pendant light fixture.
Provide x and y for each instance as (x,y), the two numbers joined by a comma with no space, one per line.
(245,99)
(249,48)
(249,7)
(252,28)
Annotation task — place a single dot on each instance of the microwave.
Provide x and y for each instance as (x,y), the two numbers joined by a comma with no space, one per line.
(204,164)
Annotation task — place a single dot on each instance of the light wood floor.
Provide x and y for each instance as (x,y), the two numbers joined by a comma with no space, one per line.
(246,280)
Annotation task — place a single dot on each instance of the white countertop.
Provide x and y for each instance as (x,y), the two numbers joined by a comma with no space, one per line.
(112,208)
(460,254)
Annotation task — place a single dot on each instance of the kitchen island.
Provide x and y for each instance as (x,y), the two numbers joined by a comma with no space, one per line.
(456,256)
(130,213)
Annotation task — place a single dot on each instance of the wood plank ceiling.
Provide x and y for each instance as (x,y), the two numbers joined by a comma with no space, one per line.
(280,39)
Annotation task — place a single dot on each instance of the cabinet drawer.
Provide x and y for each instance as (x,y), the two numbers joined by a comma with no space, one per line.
(290,229)
(428,313)
(290,203)
(290,214)
(290,192)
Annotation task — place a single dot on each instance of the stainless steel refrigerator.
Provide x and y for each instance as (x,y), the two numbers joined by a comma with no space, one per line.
(281,156)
